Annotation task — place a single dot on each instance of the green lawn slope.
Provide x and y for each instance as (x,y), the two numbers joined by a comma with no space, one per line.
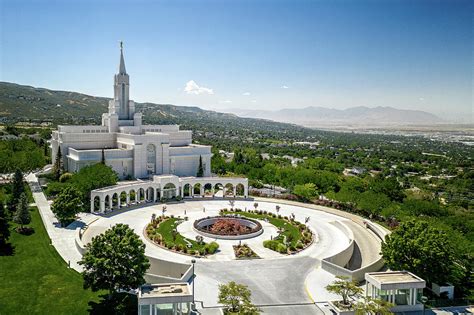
(35,279)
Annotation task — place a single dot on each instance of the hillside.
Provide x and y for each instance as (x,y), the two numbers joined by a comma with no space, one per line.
(322,116)
(30,104)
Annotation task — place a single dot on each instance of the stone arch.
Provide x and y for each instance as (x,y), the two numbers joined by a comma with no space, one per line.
(150,194)
(169,191)
(132,196)
(96,207)
(217,188)
(107,202)
(197,189)
(207,189)
(229,189)
(187,190)
(240,190)
(123,198)
(141,194)
(115,201)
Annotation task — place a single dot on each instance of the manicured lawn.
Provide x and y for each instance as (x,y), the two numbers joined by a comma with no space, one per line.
(288,228)
(35,279)
(180,243)
(169,225)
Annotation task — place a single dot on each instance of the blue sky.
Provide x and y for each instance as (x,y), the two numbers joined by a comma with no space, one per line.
(249,54)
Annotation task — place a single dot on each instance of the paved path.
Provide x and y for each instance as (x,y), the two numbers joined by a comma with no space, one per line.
(62,238)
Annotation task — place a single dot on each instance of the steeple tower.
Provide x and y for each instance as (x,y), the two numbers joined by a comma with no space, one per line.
(121,89)
(122,62)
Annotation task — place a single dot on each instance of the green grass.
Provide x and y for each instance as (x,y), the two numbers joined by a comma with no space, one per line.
(170,224)
(288,228)
(35,279)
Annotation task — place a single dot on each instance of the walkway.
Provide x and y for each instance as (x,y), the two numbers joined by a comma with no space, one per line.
(62,238)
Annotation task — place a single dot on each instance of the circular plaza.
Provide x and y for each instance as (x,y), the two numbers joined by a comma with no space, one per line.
(333,240)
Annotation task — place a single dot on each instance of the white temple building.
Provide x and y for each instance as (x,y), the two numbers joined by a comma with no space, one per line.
(132,149)
(163,155)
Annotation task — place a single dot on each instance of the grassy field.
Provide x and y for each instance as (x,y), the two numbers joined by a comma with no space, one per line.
(35,279)
(288,229)
(169,225)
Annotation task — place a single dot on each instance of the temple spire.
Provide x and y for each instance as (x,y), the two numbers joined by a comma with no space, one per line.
(122,62)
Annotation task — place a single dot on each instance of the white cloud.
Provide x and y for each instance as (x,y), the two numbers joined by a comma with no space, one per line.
(192,88)
(254,101)
(226,101)
(284,87)
(246,93)
(422,99)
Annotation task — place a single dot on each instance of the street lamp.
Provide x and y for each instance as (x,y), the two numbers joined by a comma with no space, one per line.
(193,261)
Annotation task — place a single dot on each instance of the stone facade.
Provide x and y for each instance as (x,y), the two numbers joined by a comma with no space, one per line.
(132,149)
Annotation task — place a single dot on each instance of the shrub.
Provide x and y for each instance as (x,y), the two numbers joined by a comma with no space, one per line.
(271,244)
(281,248)
(202,252)
(211,248)
(65,177)
(54,188)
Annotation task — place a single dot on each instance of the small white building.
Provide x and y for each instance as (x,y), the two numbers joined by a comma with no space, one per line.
(132,149)
(168,298)
(401,288)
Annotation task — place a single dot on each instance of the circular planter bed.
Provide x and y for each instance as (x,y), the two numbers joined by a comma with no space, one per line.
(162,232)
(230,228)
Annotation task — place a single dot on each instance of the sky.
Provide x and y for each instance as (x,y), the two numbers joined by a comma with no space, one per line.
(249,54)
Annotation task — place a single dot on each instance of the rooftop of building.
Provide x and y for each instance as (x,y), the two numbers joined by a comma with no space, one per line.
(394,278)
(164,290)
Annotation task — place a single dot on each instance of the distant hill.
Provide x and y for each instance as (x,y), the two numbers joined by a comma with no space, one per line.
(313,116)
(20,103)
(26,103)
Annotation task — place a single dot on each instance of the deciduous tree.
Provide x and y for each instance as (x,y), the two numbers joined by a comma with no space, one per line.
(67,204)
(115,260)
(236,298)
(345,288)
(421,249)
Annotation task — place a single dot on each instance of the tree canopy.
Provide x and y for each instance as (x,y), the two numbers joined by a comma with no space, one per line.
(67,204)
(93,177)
(345,288)
(115,260)
(421,249)
(236,298)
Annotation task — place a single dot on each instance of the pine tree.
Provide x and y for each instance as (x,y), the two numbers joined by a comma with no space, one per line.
(58,164)
(17,186)
(4,227)
(22,215)
(200,172)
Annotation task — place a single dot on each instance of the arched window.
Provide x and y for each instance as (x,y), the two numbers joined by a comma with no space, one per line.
(151,159)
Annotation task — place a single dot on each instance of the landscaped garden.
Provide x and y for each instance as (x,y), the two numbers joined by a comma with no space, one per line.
(162,231)
(293,237)
(243,251)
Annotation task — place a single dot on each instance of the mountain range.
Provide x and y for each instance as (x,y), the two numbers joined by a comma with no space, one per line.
(362,115)
(26,103)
